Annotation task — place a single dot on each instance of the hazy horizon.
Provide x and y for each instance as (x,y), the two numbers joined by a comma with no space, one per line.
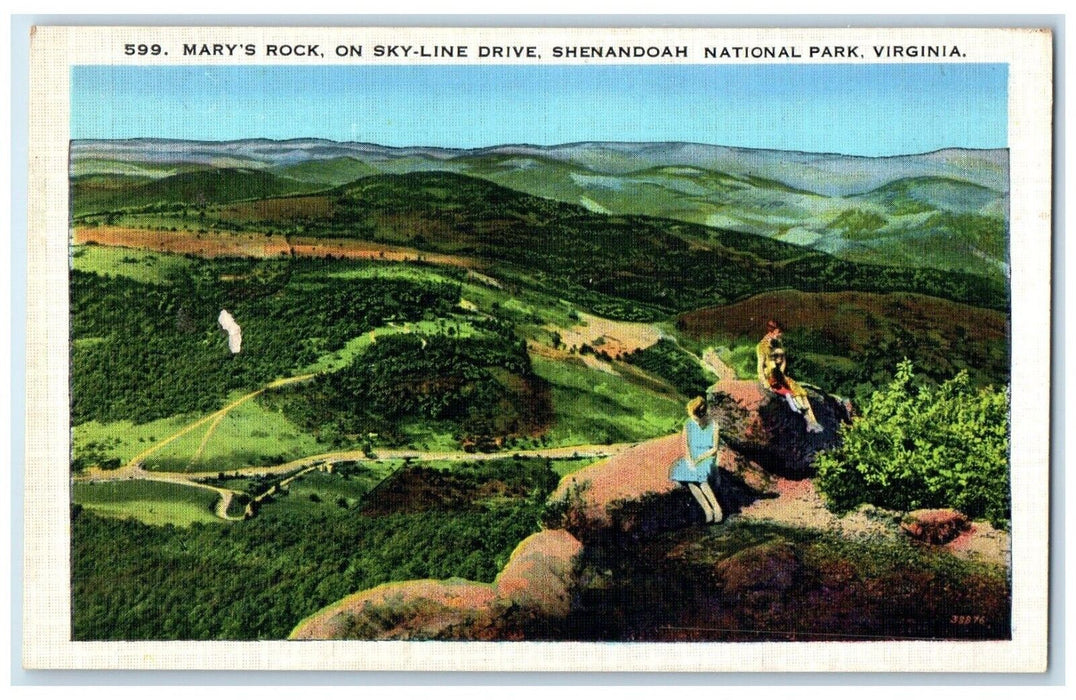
(521,145)
(854,110)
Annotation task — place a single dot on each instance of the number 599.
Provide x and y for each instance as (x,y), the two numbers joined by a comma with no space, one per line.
(142,49)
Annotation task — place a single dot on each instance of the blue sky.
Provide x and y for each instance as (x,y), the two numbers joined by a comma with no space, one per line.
(872,109)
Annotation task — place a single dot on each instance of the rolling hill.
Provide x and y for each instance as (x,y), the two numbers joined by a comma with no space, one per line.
(799,198)
(403,312)
(626,267)
(841,339)
(194,189)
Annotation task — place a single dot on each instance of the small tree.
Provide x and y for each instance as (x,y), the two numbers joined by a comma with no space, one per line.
(926,446)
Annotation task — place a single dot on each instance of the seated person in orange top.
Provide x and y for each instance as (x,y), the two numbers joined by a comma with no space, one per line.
(773,374)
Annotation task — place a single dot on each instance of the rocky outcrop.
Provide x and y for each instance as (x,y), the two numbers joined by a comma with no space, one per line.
(935,526)
(763,428)
(411,610)
(540,573)
(766,568)
(631,495)
(614,505)
(531,593)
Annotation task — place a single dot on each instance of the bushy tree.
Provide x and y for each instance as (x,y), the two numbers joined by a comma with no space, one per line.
(924,446)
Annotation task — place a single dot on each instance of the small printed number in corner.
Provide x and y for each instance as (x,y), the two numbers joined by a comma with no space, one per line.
(967,619)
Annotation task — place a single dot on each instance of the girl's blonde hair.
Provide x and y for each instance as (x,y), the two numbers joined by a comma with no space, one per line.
(694,405)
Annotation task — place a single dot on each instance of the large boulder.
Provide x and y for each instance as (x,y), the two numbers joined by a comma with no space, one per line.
(530,595)
(763,428)
(594,498)
(409,610)
(540,574)
(630,494)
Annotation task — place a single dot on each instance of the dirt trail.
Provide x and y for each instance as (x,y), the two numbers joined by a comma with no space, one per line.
(205,440)
(139,458)
(712,362)
(297,468)
(800,505)
(612,337)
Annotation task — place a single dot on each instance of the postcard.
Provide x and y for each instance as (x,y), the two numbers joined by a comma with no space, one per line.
(538,349)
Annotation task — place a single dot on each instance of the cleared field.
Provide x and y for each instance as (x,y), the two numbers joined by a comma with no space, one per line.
(613,337)
(317,492)
(151,502)
(140,265)
(431,436)
(122,440)
(363,250)
(208,245)
(212,244)
(596,407)
(529,308)
(277,209)
(249,435)
(389,270)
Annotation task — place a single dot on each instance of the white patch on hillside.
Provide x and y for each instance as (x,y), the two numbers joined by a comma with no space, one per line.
(800,236)
(723,221)
(602,181)
(593,206)
(235,333)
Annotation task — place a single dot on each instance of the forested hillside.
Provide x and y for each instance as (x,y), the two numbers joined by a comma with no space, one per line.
(629,267)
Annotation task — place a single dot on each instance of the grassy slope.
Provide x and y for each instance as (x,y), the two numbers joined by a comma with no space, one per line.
(150,502)
(139,265)
(595,406)
(250,435)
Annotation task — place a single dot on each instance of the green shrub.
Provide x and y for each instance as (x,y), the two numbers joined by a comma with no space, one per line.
(926,446)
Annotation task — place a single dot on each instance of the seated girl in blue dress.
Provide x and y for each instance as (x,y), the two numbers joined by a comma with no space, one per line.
(700,451)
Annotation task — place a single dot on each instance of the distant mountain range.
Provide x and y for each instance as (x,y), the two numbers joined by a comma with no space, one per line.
(947,209)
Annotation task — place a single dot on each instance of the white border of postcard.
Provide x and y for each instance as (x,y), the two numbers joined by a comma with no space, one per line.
(47,635)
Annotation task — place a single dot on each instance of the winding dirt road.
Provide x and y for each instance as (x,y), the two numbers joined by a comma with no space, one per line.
(299,467)
(294,469)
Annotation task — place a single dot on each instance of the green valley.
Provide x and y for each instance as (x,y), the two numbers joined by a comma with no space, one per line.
(428,340)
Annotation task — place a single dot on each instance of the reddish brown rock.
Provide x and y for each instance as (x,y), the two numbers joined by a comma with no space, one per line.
(769,567)
(539,574)
(631,493)
(535,584)
(751,473)
(424,609)
(592,497)
(938,526)
(763,427)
